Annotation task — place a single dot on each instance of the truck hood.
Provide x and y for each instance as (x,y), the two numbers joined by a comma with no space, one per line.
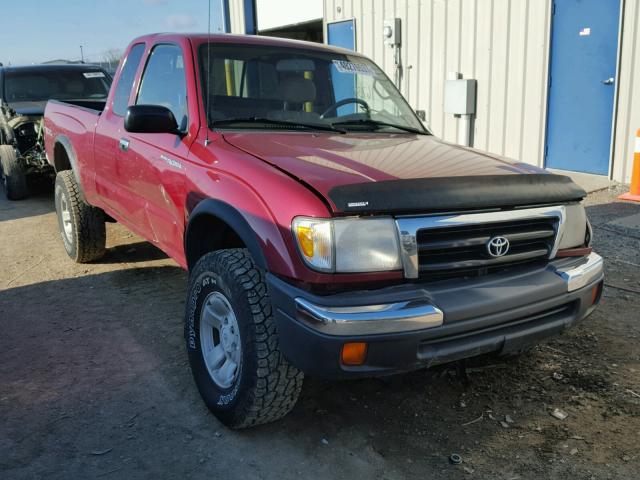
(28,108)
(403,173)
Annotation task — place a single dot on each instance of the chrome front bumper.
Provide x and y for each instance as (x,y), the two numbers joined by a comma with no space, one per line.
(582,275)
(413,315)
(405,316)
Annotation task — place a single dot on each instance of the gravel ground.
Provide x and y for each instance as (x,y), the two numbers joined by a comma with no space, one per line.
(94,381)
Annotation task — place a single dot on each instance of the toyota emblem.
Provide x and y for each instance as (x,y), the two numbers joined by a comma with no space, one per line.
(498,246)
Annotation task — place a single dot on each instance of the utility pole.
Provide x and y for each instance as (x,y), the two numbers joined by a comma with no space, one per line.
(81,54)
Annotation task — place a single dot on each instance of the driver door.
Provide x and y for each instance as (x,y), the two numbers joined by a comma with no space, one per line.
(160,159)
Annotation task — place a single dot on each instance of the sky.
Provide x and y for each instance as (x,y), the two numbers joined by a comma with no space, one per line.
(37,31)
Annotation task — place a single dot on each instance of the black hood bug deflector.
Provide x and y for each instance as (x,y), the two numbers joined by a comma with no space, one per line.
(445,194)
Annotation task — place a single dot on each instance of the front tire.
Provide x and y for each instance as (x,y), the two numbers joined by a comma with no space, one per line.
(232,342)
(82,227)
(14,178)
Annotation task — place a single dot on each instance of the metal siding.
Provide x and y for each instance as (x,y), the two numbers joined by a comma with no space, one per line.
(483,53)
(499,67)
(535,90)
(451,37)
(513,107)
(236,16)
(501,43)
(628,112)
(439,68)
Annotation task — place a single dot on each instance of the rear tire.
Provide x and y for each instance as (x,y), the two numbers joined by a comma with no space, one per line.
(240,372)
(14,178)
(82,226)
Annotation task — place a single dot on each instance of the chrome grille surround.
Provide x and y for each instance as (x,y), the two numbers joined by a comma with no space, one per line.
(409,226)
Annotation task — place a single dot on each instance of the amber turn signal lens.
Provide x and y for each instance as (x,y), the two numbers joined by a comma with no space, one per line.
(354,353)
(305,240)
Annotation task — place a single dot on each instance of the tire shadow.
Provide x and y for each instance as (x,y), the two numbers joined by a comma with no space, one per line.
(133,253)
(39,202)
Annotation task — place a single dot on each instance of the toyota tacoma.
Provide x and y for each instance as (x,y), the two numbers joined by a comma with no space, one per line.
(326,231)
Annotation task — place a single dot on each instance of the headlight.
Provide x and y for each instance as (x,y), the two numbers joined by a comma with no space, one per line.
(575,227)
(348,244)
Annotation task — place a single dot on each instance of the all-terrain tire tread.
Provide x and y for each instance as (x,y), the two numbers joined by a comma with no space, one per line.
(90,234)
(278,383)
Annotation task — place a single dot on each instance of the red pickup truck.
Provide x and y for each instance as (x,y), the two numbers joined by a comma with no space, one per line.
(325,230)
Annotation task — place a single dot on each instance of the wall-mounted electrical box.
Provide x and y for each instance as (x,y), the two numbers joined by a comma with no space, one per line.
(392,31)
(460,97)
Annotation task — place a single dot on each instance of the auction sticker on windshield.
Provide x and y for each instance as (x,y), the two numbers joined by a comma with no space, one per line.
(343,66)
(93,75)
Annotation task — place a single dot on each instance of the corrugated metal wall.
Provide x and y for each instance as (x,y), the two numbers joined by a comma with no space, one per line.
(628,114)
(236,16)
(501,43)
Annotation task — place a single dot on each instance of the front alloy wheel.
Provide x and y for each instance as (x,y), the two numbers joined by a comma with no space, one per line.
(232,342)
(220,340)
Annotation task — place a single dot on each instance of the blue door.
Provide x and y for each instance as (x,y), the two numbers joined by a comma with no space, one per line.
(584,47)
(342,34)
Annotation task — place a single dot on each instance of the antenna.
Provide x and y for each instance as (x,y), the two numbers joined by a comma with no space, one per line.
(206,140)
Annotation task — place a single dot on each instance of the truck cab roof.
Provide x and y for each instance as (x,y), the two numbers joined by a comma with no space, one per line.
(200,38)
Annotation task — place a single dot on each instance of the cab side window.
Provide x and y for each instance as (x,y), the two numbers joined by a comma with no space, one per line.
(125,83)
(164,82)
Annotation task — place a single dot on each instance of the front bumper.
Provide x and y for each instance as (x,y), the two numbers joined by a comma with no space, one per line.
(414,326)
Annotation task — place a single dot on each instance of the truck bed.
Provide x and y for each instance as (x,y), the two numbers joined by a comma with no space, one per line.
(93,105)
(73,123)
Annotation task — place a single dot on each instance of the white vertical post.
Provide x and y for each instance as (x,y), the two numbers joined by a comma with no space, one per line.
(464,130)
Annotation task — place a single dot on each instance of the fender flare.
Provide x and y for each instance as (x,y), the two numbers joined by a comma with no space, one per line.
(71,154)
(235,220)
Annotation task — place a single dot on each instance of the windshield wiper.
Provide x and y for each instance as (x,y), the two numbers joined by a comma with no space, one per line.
(378,123)
(265,120)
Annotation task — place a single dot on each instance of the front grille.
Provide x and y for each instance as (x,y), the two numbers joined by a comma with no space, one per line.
(462,250)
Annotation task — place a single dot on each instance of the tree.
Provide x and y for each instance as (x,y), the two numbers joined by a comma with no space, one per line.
(112,57)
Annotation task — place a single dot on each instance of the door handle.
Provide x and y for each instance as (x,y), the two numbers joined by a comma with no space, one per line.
(124,144)
(608,81)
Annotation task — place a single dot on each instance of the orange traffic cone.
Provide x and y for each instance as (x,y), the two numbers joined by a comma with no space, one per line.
(634,192)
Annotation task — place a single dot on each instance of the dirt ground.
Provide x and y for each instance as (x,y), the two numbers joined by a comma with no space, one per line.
(94,381)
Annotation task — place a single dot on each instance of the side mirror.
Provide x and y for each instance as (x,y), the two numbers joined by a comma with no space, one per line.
(150,119)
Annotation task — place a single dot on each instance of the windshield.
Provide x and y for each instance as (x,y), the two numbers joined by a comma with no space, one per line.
(249,85)
(63,84)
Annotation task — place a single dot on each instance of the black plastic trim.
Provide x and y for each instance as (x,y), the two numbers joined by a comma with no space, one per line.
(234,219)
(428,195)
(73,159)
